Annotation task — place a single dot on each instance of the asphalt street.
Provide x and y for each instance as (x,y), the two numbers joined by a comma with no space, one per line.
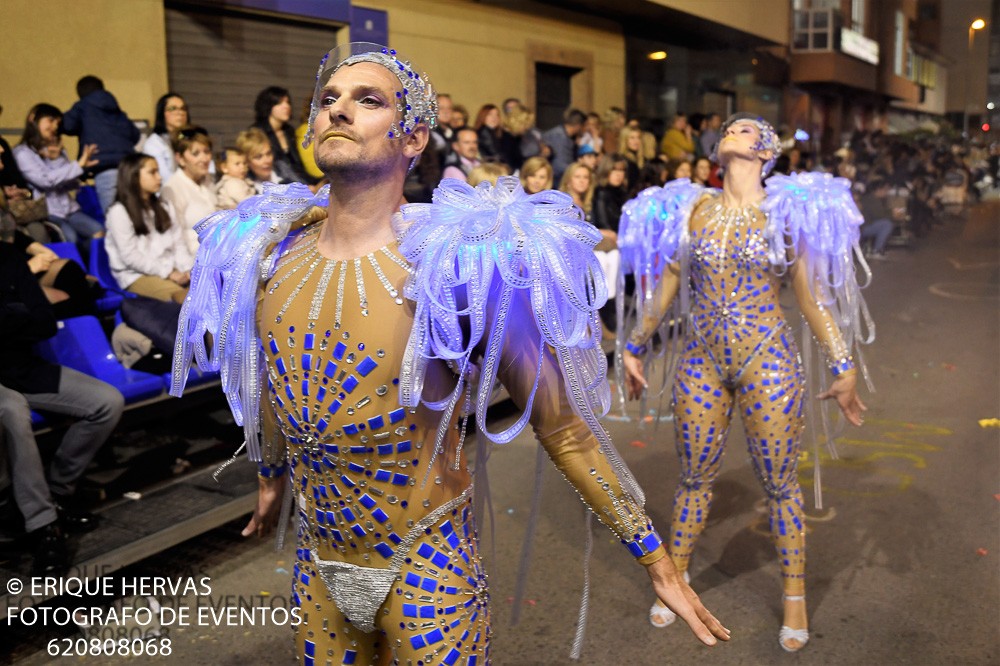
(902,561)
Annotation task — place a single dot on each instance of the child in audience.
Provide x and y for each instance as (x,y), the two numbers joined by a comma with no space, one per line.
(234,186)
(146,246)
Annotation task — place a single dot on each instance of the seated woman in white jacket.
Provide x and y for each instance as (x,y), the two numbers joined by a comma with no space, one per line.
(146,247)
(191,191)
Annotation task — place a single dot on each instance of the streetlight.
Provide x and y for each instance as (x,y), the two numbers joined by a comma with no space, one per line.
(977,24)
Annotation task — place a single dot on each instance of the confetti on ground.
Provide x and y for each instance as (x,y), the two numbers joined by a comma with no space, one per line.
(647,419)
(510,600)
(989,423)
(639,444)
(281,570)
(510,511)
(981,551)
(532,602)
(948,366)
(265,593)
(916,375)
(997,497)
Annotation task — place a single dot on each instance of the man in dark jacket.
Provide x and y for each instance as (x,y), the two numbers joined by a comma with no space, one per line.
(96,119)
(29,382)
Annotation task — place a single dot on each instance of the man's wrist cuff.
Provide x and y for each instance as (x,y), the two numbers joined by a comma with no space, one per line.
(271,471)
(842,366)
(642,545)
(634,349)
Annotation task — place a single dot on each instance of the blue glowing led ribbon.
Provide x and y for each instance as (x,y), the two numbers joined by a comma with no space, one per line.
(484,243)
(223,297)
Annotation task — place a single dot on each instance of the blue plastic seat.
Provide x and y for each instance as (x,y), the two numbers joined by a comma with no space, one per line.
(111,300)
(81,344)
(37,420)
(100,266)
(90,203)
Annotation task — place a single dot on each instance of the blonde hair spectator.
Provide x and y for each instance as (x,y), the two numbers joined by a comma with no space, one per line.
(488,171)
(571,184)
(532,172)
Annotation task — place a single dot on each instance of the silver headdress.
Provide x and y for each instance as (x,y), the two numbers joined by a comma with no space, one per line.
(416,103)
(768,138)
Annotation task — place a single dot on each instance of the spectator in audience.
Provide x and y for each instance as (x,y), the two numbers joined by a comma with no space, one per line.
(48,502)
(653,174)
(510,105)
(306,155)
(710,135)
(443,129)
(696,121)
(878,214)
(578,182)
(171,115)
(614,122)
(526,139)
(611,192)
(631,149)
(54,176)
(272,111)
(146,247)
(592,134)
(234,186)
(702,171)
(465,149)
(68,289)
(494,141)
(561,139)
(677,143)
(678,169)
(97,120)
(536,175)
(489,172)
(459,117)
(191,191)
(588,157)
(253,143)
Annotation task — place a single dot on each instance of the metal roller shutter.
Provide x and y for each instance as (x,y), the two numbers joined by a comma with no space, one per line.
(219,61)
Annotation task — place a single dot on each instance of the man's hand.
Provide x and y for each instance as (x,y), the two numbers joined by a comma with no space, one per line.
(843,391)
(678,596)
(179,277)
(635,381)
(265,516)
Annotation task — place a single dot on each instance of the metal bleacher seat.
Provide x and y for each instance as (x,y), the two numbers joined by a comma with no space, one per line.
(111,300)
(80,344)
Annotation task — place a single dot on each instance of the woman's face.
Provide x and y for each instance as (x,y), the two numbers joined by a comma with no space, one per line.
(702,170)
(457,119)
(282,111)
(175,114)
(683,170)
(149,178)
(536,182)
(634,142)
(616,177)
(262,163)
(195,160)
(492,119)
(48,127)
(579,182)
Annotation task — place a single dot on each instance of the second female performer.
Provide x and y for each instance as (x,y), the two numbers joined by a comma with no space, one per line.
(721,256)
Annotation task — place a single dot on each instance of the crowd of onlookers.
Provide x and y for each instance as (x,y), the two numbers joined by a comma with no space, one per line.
(149,192)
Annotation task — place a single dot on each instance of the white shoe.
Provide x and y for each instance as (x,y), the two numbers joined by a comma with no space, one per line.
(786,634)
(662,617)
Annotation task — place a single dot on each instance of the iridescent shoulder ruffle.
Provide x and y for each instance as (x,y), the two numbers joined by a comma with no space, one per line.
(222,300)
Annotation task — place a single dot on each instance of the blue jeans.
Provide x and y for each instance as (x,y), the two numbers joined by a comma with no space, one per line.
(880,230)
(106,184)
(78,226)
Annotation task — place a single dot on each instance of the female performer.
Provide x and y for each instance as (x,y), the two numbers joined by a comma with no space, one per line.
(724,252)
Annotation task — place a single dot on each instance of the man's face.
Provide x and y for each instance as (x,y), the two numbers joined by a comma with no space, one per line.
(357,109)
(467,144)
(574,130)
(715,122)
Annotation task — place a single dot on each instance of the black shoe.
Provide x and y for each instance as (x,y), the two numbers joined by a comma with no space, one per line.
(74,517)
(49,550)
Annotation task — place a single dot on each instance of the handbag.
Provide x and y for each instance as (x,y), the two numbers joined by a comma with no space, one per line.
(26,211)
(157,320)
